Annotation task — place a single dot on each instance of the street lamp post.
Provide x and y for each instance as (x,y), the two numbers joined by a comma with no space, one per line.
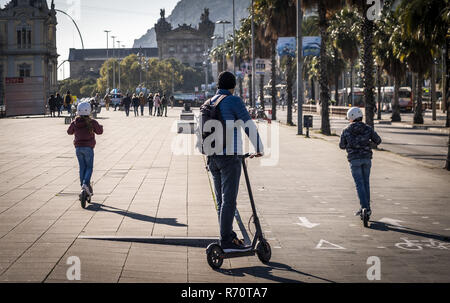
(107,59)
(253,84)
(114,64)
(223,22)
(118,56)
(300,94)
(234,40)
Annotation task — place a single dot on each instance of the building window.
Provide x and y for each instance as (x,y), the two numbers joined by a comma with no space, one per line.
(24,38)
(172,49)
(199,48)
(185,48)
(25,70)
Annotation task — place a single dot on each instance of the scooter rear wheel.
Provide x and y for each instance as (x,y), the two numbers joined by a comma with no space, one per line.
(264,251)
(365,218)
(83,198)
(214,255)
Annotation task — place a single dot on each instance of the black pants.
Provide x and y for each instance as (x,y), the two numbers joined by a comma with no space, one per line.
(142,110)
(127,110)
(150,109)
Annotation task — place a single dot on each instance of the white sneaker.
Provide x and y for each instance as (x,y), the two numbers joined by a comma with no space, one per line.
(358,213)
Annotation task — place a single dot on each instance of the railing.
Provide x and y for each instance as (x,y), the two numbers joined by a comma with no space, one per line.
(334,110)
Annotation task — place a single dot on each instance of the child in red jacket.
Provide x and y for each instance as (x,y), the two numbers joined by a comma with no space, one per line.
(84,128)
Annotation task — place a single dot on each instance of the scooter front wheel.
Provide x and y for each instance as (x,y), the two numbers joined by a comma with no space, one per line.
(83,198)
(264,251)
(214,255)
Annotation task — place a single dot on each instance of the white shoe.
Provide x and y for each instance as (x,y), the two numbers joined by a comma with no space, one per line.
(358,213)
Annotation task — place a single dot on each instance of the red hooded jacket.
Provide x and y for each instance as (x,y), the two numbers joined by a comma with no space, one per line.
(83,138)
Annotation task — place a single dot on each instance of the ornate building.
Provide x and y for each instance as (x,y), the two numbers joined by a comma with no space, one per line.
(185,43)
(28,57)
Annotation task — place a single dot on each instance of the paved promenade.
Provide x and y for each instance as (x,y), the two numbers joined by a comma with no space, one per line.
(144,192)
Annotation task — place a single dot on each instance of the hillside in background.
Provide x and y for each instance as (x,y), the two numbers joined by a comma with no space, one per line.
(189,12)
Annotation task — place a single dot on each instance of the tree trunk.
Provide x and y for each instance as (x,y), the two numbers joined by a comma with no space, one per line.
(447,165)
(241,89)
(274,82)
(313,89)
(289,80)
(447,81)
(250,90)
(418,116)
(379,91)
(433,90)
(367,30)
(396,106)
(323,80)
(336,78)
(352,103)
(261,91)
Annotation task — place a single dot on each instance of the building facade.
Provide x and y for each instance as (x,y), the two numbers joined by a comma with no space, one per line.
(27,53)
(186,43)
(86,63)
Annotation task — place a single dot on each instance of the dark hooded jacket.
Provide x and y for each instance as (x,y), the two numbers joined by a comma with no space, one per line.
(83,137)
(357,139)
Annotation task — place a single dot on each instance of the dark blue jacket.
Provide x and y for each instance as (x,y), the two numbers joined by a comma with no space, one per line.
(232,108)
(357,139)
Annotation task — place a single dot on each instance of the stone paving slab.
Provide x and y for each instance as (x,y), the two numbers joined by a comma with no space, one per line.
(143,189)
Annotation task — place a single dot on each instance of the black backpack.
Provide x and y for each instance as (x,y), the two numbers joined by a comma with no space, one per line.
(209,112)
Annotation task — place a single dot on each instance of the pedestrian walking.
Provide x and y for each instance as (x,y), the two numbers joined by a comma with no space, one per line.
(226,167)
(157,105)
(126,104)
(142,102)
(68,100)
(164,104)
(84,128)
(107,101)
(358,139)
(135,101)
(150,104)
(52,104)
(59,104)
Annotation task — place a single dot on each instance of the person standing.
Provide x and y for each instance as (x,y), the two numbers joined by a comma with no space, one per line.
(172,101)
(150,104)
(52,105)
(164,104)
(107,101)
(358,139)
(84,128)
(157,105)
(135,105)
(142,102)
(225,165)
(59,103)
(68,102)
(126,104)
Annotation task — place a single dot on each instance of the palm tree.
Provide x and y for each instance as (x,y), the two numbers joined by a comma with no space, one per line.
(344,27)
(367,30)
(384,53)
(278,19)
(324,7)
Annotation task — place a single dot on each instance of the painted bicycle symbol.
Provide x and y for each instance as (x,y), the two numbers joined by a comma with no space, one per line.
(420,244)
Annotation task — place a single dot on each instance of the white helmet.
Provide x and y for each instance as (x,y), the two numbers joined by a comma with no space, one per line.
(84,109)
(354,113)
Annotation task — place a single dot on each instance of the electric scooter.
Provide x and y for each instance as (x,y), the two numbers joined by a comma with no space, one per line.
(260,246)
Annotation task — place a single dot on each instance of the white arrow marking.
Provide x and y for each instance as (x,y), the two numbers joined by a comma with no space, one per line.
(330,245)
(391,221)
(306,223)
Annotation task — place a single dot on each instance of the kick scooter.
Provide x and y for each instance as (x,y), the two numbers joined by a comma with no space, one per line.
(260,247)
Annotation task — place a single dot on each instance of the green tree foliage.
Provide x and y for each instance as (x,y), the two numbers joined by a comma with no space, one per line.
(77,87)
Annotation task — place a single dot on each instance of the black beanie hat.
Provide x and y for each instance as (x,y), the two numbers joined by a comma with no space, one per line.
(227,80)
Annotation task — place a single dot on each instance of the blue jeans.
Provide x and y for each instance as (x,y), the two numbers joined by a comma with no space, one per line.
(85,157)
(226,172)
(361,174)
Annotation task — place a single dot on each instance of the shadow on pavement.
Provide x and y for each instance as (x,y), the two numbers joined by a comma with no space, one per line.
(380,226)
(135,216)
(266,272)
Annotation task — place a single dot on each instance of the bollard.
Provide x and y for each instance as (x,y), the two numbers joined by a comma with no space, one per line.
(308,123)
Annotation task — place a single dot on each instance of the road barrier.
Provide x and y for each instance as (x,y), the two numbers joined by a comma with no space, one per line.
(334,110)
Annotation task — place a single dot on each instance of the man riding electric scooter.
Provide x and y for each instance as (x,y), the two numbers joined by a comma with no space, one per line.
(226,166)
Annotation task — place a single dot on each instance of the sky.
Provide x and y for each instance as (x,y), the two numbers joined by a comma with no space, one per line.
(128,20)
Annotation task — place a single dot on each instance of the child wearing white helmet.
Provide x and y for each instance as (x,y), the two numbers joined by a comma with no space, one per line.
(84,128)
(358,139)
